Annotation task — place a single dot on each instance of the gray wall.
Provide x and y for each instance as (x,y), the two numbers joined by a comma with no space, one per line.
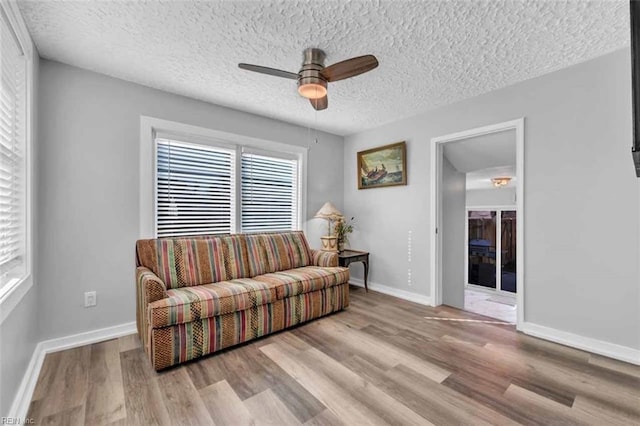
(491,197)
(89,187)
(19,331)
(582,199)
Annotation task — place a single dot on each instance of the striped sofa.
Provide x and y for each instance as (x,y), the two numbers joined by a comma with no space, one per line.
(199,295)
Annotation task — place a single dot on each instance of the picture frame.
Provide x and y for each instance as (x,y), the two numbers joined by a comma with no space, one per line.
(382,166)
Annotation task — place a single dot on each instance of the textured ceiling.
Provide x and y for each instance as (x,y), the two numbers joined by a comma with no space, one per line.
(484,157)
(431,53)
(482,152)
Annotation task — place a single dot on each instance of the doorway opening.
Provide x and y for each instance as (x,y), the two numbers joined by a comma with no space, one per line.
(477,185)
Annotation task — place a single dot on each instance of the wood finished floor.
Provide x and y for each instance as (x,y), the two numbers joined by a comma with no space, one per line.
(378,362)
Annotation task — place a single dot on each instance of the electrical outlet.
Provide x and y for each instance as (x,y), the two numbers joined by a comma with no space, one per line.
(90,299)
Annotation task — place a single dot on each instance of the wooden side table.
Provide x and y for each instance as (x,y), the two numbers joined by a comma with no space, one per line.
(347,257)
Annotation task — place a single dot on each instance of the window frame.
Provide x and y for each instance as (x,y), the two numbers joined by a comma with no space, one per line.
(12,294)
(152,128)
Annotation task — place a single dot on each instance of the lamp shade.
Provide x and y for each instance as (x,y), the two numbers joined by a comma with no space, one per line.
(328,211)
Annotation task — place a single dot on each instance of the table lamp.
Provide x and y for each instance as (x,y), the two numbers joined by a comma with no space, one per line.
(330,213)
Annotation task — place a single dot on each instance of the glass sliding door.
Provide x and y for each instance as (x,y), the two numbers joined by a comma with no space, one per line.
(492,248)
(508,250)
(482,248)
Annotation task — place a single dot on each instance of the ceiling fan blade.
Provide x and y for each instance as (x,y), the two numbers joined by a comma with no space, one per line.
(320,104)
(350,68)
(269,71)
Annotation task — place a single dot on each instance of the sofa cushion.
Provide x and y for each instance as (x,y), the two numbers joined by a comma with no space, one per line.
(235,257)
(187,304)
(304,280)
(277,252)
(183,262)
(257,254)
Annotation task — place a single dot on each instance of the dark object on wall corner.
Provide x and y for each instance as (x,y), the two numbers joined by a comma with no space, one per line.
(634,12)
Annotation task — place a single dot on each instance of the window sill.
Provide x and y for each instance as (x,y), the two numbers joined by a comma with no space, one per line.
(12,297)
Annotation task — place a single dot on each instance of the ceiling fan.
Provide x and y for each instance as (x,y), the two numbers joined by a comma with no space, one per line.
(313,76)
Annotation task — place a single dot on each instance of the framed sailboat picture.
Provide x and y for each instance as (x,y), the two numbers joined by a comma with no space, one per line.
(383,166)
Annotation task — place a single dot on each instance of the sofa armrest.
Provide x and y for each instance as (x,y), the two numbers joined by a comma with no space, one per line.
(150,288)
(324,258)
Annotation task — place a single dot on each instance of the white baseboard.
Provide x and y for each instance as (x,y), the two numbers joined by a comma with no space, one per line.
(88,337)
(600,347)
(391,291)
(22,400)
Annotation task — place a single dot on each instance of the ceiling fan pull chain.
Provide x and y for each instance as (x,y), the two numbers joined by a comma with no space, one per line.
(309,135)
(316,127)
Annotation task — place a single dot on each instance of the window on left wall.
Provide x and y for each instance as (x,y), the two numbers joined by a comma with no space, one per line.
(13,159)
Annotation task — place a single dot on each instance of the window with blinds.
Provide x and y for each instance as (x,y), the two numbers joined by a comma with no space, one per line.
(13,100)
(269,193)
(195,189)
(203,189)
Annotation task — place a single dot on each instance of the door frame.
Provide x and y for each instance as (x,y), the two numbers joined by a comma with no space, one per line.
(435,207)
(498,209)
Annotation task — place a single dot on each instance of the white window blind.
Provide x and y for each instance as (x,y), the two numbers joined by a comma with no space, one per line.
(13,69)
(269,193)
(195,189)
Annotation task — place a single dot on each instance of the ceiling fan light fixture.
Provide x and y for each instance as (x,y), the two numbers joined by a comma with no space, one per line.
(500,181)
(313,90)
(314,76)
